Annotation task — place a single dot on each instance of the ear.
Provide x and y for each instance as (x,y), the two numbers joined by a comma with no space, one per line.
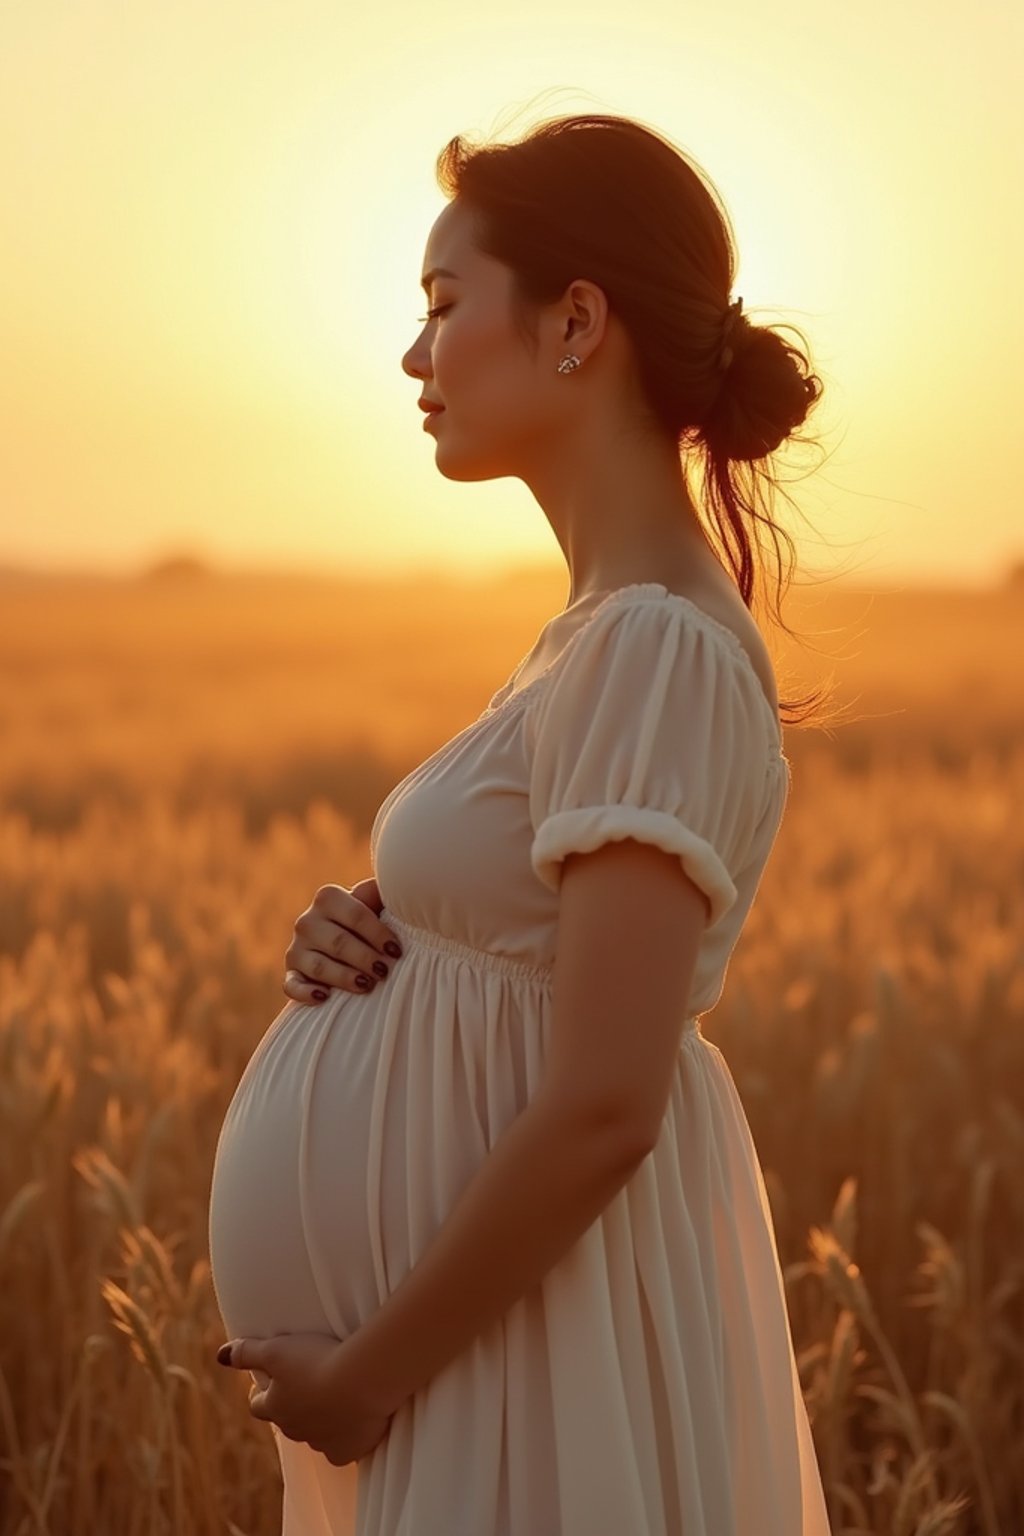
(588,312)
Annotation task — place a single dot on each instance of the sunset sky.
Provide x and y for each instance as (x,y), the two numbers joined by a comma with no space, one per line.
(214,217)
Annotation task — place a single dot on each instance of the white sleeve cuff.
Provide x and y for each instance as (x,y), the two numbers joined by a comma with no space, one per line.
(583,830)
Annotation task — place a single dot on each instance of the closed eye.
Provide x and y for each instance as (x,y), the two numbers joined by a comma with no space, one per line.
(431,314)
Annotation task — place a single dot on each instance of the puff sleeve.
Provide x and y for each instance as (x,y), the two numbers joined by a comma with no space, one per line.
(647,729)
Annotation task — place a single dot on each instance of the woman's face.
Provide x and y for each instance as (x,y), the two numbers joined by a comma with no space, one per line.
(501,406)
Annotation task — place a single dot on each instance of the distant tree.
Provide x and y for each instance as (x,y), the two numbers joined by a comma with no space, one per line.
(177,568)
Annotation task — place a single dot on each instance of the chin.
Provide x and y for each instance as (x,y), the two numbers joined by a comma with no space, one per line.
(467,473)
(464,467)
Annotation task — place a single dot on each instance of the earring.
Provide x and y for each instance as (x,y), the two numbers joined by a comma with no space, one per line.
(568,363)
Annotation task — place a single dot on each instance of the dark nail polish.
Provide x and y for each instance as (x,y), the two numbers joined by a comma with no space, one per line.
(392,949)
(363,981)
(380,967)
(224,1355)
(321,997)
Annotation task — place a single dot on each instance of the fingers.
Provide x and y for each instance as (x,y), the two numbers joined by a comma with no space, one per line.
(245,1354)
(335,904)
(326,956)
(303,989)
(368,892)
(338,942)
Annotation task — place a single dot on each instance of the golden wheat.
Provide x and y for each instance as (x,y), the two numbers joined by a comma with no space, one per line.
(872,1019)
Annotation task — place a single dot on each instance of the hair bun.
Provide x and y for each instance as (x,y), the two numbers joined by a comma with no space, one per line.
(764,395)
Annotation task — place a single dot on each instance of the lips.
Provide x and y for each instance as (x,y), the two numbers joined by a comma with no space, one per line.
(430,407)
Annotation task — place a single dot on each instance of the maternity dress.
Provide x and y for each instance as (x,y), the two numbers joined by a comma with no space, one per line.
(648,1385)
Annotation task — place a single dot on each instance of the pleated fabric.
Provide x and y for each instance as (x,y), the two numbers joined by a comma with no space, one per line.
(648,1385)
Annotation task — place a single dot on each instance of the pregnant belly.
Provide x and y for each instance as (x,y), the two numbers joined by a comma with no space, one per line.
(354,1129)
(291,1248)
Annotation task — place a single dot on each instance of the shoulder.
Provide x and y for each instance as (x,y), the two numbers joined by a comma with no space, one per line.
(719,610)
(650,614)
(727,630)
(646,646)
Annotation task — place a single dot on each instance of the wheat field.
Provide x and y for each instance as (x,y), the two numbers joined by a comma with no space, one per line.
(185,761)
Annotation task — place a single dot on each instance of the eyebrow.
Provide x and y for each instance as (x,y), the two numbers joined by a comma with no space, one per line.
(426,281)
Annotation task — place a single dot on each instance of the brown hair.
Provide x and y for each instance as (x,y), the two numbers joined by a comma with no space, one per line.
(608,198)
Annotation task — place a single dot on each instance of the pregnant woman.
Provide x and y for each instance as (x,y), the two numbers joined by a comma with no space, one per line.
(491,1233)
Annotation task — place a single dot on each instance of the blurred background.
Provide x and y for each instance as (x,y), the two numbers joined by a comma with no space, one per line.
(238,603)
(215,218)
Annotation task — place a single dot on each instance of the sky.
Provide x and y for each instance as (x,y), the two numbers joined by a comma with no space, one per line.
(215,213)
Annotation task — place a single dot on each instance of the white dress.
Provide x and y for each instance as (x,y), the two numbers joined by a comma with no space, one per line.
(647,1386)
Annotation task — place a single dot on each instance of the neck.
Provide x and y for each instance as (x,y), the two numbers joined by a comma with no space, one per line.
(619,506)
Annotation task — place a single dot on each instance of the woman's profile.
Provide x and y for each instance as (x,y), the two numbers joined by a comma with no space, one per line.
(491,1232)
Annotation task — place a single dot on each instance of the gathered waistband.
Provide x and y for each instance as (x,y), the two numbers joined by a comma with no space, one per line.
(485,959)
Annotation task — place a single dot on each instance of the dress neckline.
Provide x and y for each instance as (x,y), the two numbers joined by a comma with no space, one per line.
(729,636)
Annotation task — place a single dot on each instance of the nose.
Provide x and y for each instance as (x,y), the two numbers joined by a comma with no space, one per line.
(416,362)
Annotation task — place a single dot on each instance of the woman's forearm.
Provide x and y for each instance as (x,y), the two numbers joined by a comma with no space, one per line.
(542,1185)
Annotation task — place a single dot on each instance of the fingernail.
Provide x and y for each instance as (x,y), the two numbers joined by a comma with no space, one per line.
(321,997)
(224,1355)
(392,949)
